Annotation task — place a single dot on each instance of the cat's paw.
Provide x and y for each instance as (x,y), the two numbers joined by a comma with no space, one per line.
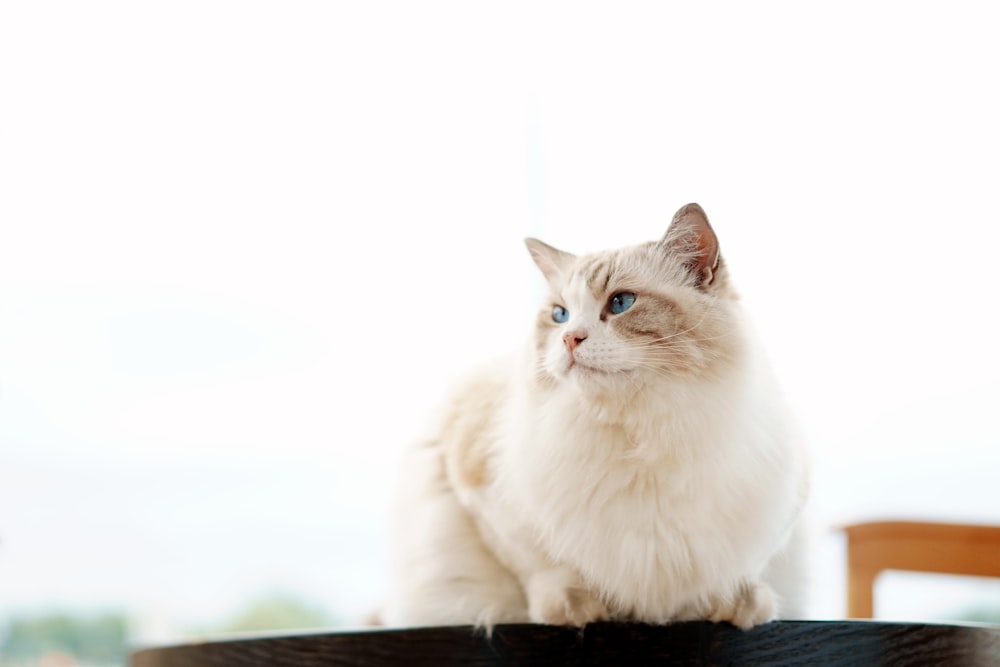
(751,604)
(570,606)
(556,598)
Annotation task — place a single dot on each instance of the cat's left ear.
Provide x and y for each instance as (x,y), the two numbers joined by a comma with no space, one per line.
(552,262)
(693,238)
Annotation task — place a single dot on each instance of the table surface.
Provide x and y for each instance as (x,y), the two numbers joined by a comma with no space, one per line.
(828,643)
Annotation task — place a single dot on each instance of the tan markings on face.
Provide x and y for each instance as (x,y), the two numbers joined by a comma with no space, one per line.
(597,274)
(672,327)
(652,317)
(694,337)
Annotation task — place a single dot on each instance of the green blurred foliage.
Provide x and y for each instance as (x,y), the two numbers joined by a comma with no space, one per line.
(278,611)
(981,614)
(100,640)
(96,640)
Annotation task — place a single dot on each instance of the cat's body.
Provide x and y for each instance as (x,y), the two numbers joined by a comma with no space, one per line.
(634,462)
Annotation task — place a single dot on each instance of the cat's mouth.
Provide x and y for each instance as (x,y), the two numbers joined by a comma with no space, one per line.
(586,369)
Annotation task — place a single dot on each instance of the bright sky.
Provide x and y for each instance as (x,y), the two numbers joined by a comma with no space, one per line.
(245,246)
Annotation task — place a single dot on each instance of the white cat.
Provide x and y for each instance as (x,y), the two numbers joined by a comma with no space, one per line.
(634,463)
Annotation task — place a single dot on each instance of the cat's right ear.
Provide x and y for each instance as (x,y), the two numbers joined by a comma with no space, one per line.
(552,262)
(692,237)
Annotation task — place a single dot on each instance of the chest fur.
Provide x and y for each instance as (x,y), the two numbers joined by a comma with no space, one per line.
(651,510)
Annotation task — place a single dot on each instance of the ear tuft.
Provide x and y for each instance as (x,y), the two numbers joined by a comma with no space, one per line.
(552,262)
(690,235)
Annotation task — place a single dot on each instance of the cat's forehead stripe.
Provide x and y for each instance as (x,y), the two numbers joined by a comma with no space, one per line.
(597,274)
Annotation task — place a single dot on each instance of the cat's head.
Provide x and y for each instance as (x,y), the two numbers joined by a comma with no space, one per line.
(620,319)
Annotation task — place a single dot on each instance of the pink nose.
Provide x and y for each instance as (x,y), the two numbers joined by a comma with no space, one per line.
(574,338)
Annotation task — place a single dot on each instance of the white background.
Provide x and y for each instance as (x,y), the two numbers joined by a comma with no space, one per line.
(244,246)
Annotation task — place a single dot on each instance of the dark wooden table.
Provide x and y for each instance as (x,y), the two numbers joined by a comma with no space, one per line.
(813,643)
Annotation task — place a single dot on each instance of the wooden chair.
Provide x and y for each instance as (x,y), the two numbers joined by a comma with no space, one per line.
(945,548)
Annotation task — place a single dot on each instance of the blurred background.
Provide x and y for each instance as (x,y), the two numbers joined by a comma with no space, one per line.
(245,247)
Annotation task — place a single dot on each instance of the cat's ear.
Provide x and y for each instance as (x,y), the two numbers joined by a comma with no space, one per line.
(552,262)
(692,237)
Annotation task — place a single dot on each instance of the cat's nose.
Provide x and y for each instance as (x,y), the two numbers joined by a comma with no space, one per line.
(574,338)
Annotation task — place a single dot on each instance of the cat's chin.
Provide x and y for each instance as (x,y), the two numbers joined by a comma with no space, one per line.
(577,369)
(593,378)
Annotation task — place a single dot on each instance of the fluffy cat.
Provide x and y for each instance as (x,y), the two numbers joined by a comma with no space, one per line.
(635,462)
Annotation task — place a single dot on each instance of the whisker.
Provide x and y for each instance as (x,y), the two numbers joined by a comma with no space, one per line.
(699,339)
(656,344)
(694,326)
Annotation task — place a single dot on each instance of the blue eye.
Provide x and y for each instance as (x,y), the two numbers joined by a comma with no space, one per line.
(621,302)
(559,314)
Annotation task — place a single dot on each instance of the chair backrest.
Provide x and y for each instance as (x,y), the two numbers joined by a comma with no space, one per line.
(946,548)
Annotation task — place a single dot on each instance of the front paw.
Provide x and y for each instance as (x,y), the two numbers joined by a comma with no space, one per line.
(556,598)
(750,604)
(571,606)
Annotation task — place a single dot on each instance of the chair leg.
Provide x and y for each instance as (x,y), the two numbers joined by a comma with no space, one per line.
(860,592)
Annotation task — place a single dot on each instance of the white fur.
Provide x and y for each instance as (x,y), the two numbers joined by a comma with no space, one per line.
(630,495)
